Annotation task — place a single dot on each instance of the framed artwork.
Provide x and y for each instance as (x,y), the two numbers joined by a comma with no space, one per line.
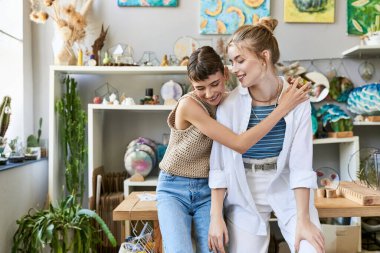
(361,14)
(225,16)
(309,11)
(147,3)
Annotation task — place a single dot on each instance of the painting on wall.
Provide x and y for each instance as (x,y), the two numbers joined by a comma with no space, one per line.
(225,16)
(147,3)
(309,11)
(361,15)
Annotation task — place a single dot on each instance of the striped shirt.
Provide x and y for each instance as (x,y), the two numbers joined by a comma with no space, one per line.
(271,144)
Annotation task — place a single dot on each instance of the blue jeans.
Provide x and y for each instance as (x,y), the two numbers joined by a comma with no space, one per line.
(182,201)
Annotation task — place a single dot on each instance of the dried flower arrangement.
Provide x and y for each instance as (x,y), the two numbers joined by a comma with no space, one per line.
(70,20)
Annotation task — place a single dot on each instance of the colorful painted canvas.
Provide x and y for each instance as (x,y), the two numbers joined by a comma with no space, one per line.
(148,3)
(309,11)
(361,14)
(225,16)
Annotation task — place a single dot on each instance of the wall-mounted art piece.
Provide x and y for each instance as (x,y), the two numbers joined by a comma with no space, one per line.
(309,11)
(361,15)
(147,3)
(225,16)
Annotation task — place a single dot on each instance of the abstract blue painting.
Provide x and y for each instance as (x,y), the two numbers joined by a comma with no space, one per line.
(225,16)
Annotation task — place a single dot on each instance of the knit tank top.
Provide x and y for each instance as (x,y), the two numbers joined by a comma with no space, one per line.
(188,151)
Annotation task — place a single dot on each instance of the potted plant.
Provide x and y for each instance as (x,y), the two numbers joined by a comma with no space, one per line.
(373,35)
(66,227)
(63,228)
(73,137)
(33,148)
(336,122)
(15,156)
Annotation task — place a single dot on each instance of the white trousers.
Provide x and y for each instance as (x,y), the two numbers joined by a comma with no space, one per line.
(242,241)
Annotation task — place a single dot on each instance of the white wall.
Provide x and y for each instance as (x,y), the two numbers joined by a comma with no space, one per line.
(21,188)
(157,29)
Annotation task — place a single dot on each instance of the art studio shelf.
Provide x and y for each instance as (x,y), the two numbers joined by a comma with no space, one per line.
(131,107)
(335,140)
(123,70)
(363,51)
(366,123)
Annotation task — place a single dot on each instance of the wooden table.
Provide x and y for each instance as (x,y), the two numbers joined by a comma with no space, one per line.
(134,209)
(342,207)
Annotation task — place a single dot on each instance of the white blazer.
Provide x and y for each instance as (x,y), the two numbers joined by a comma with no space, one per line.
(294,165)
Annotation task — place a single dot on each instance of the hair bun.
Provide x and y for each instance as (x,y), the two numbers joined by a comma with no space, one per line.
(268,22)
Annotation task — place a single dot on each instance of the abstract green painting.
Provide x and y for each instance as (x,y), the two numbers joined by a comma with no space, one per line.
(225,16)
(148,3)
(361,14)
(309,11)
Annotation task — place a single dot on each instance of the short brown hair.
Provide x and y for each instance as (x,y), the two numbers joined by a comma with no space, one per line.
(204,62)
(257,38)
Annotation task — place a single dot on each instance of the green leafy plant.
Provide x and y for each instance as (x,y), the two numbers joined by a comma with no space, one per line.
(73,121)
(65,228)
(32,140)
(342,125)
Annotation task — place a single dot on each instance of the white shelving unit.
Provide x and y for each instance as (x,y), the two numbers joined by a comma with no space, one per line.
(366,123)
(363,51)
(95,140)
(97,114)
(347,148)
(151,181)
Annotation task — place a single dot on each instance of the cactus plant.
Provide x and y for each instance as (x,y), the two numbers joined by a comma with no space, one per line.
(5,114)
(32,140)
(73,121)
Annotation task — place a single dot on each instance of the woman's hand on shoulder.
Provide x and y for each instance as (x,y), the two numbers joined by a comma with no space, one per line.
(294,96)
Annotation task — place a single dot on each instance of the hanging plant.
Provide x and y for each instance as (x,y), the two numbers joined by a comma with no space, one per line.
(72,122)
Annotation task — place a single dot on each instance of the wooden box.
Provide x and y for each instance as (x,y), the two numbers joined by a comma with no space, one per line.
(359,193)
(373,118)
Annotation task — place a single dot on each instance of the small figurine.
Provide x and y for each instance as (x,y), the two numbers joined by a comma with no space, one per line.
(128,101)
(112,97)
(80,58)
(97,100)
(106,59)
(156,100)
(92,61)
(165,61)
(148,97)
(184,61)
(98,44)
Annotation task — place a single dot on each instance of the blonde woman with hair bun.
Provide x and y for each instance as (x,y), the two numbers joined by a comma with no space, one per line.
(274,175)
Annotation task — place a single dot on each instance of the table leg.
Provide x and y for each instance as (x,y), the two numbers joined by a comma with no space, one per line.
(157,237)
